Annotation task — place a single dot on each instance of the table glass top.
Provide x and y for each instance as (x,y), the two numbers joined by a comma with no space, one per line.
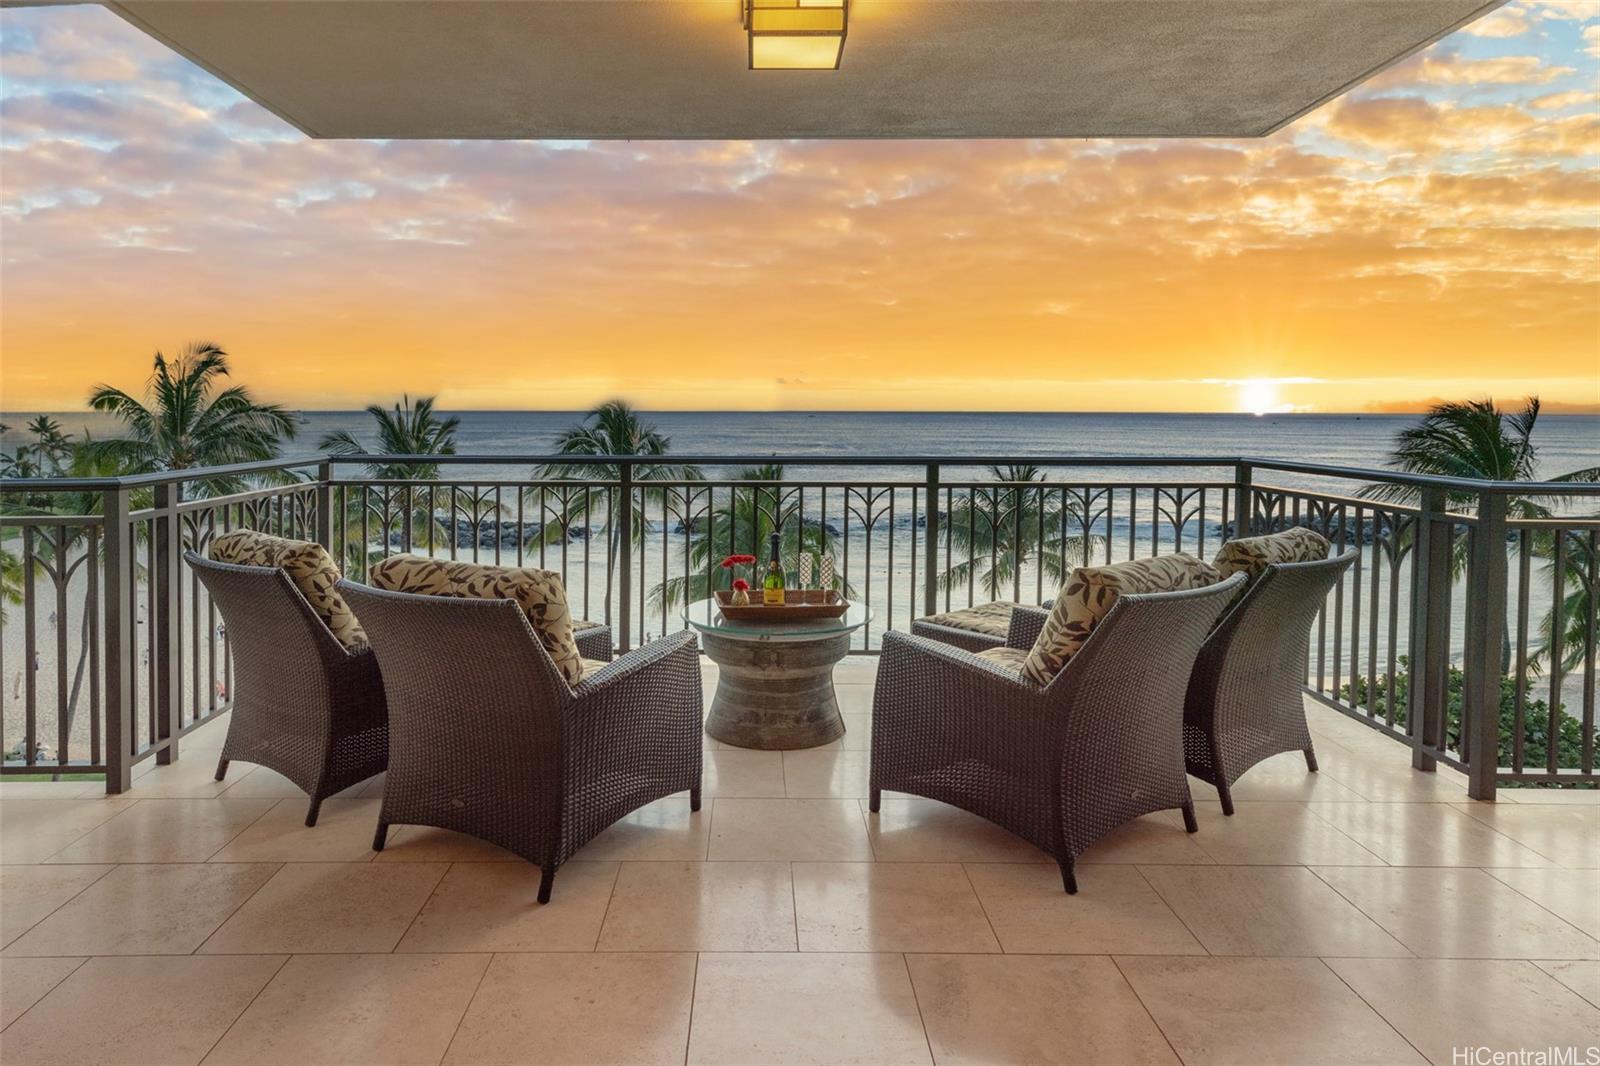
(706,616)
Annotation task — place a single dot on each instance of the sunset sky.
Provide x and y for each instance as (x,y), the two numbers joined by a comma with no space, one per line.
(1436,233)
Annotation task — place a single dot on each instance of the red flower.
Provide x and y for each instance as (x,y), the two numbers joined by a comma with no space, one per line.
(741,585)
(737,560)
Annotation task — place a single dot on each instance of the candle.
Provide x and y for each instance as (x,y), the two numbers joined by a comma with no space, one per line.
(827,572)
(807,561)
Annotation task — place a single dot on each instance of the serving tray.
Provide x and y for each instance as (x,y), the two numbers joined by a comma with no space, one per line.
(799,605)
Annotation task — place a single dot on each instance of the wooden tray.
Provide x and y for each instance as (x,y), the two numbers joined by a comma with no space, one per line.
(799,605)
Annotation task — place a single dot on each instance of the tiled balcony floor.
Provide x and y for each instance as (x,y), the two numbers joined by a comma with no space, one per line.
(1364,914)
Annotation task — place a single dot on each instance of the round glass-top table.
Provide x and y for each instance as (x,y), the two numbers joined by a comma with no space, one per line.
(775,679)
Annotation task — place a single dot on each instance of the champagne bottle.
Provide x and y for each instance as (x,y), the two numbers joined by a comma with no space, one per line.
(772,584)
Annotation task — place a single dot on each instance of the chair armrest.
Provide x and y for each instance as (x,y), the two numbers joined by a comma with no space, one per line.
(932,662)
(1026,622)
(639,661)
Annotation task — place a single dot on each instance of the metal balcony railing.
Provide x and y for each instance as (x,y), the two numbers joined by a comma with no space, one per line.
(1465,632)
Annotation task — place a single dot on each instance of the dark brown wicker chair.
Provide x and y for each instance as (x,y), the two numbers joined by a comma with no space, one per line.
(303,704)
(1246,699)
(1060,765)
(959,636)
(594,641)
(487,737)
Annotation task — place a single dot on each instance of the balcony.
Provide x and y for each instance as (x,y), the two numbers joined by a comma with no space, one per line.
(1381,910)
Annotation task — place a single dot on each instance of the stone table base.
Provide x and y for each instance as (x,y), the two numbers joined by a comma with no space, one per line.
(775,694)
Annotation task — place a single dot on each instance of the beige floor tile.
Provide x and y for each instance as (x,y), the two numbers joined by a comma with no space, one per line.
(1283,778)
(857,730)
(1580,975)
(923,830)
(32,830)
(1275,834)
(1115,912)
(343,833)
(24,982)
(146,909)
(1569,835)
(663,830)
(29,893)
(701,906)
(424,843)
(863,906)
(494,906)
(792,830)
(1218,1012)
(826,773)
(1571,894)
(591,1008)
(138,1010)
(50,790)
(1267,910)
(329,907)
(269,784)
(337,1009)
(166,830)
(1576,797)
(193,776)
(739,772)
(1155,838)
(1425,834)
(1442,1004)
(805,1008)
(1033,1009)
(1446,912)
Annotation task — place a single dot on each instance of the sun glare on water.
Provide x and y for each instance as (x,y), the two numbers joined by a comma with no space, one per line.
(1258,396)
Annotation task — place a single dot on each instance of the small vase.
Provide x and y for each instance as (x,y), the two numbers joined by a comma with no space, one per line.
(738,598)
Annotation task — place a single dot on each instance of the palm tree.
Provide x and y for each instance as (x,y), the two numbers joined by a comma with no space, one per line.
(1000,530)
(1476,439)
(613,428)
(743,522)
(411,428)
(187,419)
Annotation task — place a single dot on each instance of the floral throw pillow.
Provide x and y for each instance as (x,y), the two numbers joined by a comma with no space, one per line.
(1087,597)
(308,565)
(1252,555)
(538,592)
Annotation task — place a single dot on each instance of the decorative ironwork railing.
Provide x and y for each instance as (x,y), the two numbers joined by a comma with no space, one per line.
(1463,630)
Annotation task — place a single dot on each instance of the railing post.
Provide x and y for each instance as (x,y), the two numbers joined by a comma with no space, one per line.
(166,654)
(1427,677)
(625,551)
(1243,503)
(325,506)
(930,561)
(1485,633)
(119,640)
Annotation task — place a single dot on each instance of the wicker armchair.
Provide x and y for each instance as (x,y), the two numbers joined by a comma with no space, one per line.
(1246,697)
(1059,765)
(487,738)
(594,641)
(303,704)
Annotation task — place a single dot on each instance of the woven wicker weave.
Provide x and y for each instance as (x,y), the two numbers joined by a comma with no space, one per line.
(303,704)
(1061,765)
(1246,698)
(594,642)
(487,738)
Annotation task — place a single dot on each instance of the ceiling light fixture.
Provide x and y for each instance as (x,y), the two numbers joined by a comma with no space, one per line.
(795,34)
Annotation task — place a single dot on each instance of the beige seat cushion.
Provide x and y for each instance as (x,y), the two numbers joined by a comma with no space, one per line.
(538,592)
(1252,555)
(1088,595)
(591,665)
(308,565)
(990,619)
(1010,658)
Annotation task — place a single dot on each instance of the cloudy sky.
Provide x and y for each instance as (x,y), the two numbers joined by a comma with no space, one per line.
(1436,233)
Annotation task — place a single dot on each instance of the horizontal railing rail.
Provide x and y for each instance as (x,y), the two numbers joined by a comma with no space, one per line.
(1465,628)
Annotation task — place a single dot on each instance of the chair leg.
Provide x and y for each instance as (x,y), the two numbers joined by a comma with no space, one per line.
(1069,881)
(312,811)
(1311,759)
(381,837)
(694,799)
(1189,822)
(222,768)
(547,877)
(874,799)
(1226,797)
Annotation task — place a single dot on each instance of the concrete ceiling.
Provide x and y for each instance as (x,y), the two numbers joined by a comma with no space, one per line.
(609,69)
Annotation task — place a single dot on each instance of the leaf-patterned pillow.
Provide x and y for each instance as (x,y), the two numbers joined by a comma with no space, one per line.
(1087,597)
(308,565)
(538,592)
(1252,555)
